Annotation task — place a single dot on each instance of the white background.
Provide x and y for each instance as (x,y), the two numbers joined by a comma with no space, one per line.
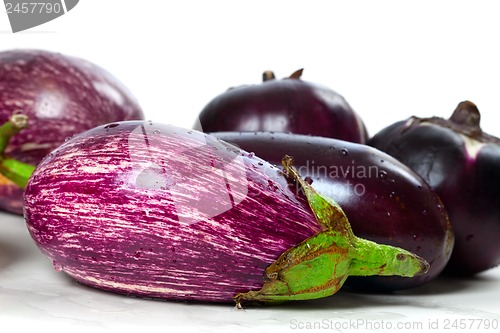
(389,59)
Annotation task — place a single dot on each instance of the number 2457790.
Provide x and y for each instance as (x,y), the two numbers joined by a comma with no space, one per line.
(33,7)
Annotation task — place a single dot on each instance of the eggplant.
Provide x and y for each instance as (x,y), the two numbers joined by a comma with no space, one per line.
(158,211)
(62,96)
(384,200)
(287,105)
(461,163)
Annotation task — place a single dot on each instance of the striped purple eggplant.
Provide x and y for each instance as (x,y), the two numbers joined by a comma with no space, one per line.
(159,211)
(62,96)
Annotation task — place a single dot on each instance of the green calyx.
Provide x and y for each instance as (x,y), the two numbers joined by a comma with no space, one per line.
(12,169)
(319,266)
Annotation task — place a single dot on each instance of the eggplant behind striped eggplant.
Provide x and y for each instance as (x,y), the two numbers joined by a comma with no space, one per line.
(384,200)
(62,96)
(158,211)
(462,164)
(285,105)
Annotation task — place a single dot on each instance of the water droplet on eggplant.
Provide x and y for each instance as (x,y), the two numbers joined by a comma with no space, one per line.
(57,266)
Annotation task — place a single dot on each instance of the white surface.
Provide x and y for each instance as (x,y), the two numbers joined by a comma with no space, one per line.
(390,59)
(35,296)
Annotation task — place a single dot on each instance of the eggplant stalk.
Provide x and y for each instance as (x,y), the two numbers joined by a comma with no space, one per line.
(319,266)
(14,170)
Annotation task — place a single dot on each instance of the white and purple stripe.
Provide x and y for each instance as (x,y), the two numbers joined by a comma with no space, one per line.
(113,208)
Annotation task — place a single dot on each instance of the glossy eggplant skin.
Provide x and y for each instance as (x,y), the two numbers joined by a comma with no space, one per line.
(158,211)
(62,96)
(287,105)
(383,199)
(465,173)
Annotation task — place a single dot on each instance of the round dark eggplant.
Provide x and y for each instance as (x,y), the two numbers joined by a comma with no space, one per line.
(462,164)
(62,96)
(383,199)
(288,105)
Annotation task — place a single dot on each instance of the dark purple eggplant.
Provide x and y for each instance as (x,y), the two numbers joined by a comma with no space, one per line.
(159,211)
(462,164)
(383,199)
(288,105)
(62,96)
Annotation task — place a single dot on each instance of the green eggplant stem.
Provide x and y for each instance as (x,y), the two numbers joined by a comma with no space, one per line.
(12,169)
(319,266)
